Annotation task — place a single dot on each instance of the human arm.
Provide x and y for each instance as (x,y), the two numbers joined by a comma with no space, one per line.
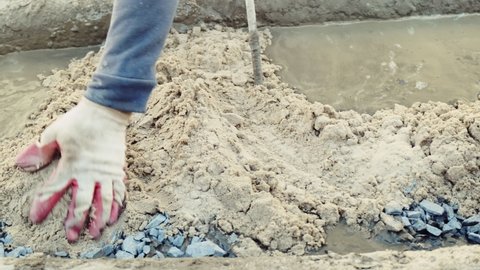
(91,136)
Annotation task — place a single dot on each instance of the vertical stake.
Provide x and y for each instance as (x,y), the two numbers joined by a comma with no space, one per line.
(254,42)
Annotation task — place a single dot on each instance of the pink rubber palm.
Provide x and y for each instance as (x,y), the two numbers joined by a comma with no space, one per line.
(91,141)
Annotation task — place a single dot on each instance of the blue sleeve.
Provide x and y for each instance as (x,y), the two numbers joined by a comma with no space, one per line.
(125,75)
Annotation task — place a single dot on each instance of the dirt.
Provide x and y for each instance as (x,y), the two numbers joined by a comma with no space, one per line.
(214,151)
(26,24)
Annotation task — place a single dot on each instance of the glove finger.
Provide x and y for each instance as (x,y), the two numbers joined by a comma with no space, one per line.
(39,155)
(82,196)
(102,206)
(118,204)
(49,194)
(114,213)
(36,157)
(119,192)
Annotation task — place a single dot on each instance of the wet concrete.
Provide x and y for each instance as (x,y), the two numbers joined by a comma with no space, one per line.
(342,239)
(368,66)
(20,89)
(26,24)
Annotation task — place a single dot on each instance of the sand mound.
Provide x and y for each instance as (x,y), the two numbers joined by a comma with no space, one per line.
(215,152)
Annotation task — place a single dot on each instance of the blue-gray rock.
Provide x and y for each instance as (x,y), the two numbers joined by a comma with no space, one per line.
(459,217)
(141,255)
(434,230)
(474,237)
(158,255)
(203,249)
(439,224)
(130,245)
(473,220)
(405,221)
(440,220)
(7,239)
(181,28)
(195,239)
(140,246)
(146,249)
(147,240)
(29,250)
(124,255)
(447,228)
(449,211)
(2,250)
(155,243)
(61,254)
(160,236)
(391,222)
(153,232)
(92,254)
(178,240)
(473,229)
(139,236)
(157,220)
(115,236)
(418,225)
(393,208)
(108,249)
(175,252)
(409,189)
(422,213)
(17,252)
(454,223)
(414,214)
(233,238)
(432,208)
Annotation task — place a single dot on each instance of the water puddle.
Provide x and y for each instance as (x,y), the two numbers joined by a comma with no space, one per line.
(20,89)
(368,66)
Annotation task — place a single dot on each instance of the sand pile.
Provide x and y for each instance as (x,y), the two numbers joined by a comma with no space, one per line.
(217,153)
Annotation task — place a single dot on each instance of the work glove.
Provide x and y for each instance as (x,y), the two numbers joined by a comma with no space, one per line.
(91,141)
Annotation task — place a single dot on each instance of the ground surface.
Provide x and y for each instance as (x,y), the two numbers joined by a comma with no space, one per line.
(443,259)
(216,152)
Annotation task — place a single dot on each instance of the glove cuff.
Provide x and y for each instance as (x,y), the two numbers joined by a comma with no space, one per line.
(119,117)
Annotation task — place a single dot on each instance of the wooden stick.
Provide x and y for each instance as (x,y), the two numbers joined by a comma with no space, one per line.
(254,42)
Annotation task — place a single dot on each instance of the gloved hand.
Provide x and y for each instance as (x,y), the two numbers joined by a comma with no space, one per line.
(91,141)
